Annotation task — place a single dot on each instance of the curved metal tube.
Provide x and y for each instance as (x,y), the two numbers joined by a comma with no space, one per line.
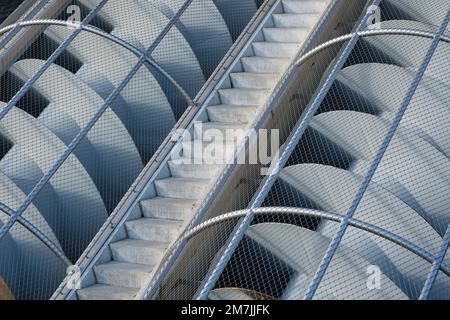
(39,234)
(31,12)
(368,33)
(356,223)
(101,33)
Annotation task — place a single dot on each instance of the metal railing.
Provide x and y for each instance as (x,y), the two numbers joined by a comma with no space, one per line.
(329,216)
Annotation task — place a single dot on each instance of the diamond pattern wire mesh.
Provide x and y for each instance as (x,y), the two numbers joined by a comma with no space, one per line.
(397,229)
(68,155)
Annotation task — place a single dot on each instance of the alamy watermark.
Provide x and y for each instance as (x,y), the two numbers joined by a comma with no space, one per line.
(374,278)
(214,146)
(374,18)
(74,13)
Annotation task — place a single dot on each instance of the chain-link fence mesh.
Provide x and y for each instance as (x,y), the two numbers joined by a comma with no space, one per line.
(80,118)
(358,209)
